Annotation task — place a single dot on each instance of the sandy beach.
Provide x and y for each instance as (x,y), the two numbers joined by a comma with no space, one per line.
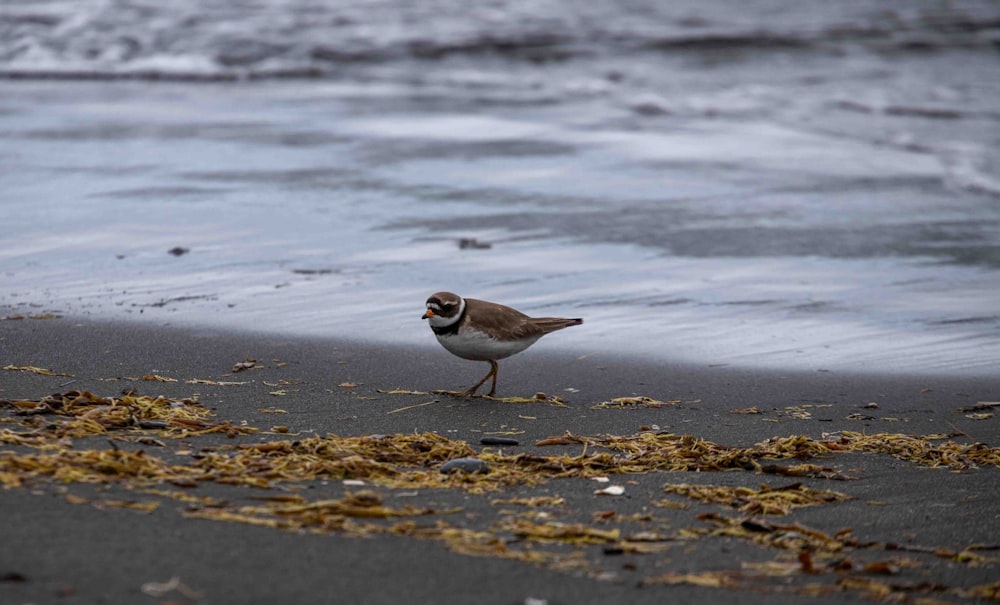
(779,223)
(914,531)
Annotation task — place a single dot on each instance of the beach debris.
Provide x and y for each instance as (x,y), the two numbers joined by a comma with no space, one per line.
(82,413)
(611,490)
(981,405)
(799,412)
(471,243)
(410,407)
(246,364)
(162,589)
(979,416)
(763,501)
(153,424)
(220,383)
(157,378)
(803,470)
(563,440)
(636,401)
(81,438)
(146,507)
(576,533)
(750,410)
(857,416)
(498,441)
(401,392)
(34,370)
(466,465)
(989,591)
(533,502)
(871,405)
(555,400)
(178,251)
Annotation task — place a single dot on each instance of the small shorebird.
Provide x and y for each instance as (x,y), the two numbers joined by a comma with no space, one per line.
(484,331)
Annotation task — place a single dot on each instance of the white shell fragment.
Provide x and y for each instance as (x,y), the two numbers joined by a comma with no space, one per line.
(611,490)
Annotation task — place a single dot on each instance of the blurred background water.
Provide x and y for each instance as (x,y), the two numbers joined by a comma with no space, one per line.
(797,185)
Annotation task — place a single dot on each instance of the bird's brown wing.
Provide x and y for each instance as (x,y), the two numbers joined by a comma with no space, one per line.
(510,323)
(505,322)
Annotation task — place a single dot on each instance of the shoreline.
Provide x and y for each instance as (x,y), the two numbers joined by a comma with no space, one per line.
(193,351)
(892,500)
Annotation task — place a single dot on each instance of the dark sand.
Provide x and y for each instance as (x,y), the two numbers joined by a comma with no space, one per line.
(105,555)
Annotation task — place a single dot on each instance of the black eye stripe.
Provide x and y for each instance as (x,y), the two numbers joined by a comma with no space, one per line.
(439,305)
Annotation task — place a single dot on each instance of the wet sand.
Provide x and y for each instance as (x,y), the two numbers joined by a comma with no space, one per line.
(106,555)
(730,239)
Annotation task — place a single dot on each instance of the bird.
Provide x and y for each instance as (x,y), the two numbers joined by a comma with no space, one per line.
(479,330)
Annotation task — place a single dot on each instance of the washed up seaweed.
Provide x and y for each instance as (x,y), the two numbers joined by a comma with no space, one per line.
(79,438)
(667,451)
(763,501)
(833,559)
(33,370)
(935,451)
(649,451)
(327,515)
(77,414)
(65,465)
(636,401)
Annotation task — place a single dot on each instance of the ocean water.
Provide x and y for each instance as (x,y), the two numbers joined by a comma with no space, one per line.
(800,186)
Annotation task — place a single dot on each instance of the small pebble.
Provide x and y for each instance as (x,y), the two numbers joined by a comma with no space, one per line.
(468,465)
(498,441)
(467,243)
(153,424)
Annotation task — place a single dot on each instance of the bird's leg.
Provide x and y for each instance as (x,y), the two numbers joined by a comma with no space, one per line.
(493,372)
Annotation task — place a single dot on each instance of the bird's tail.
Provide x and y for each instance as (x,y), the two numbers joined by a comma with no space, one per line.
(551,324)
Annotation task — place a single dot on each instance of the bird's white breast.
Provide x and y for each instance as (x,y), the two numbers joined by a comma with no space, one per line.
(479,346)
